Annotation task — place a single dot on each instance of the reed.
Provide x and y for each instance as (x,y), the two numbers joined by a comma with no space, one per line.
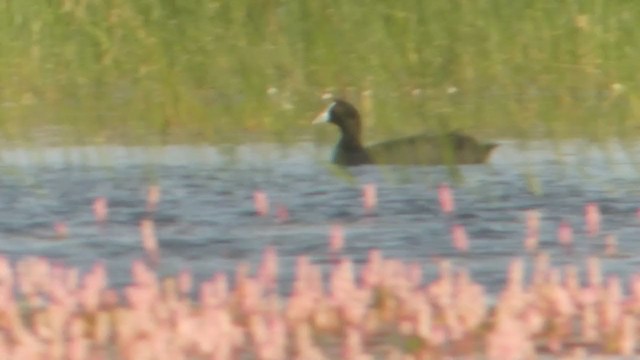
(154,71)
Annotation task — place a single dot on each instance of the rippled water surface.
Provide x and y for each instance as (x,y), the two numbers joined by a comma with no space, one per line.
(206,220)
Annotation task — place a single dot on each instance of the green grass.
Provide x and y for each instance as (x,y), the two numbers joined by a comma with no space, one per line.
(160,71)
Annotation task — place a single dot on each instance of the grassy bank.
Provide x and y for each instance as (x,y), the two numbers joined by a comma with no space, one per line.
(149,71)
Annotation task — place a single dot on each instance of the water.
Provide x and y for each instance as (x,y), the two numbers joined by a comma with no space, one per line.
(206,221)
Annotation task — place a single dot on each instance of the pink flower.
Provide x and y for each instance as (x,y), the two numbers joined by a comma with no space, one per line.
(101,209)
(445,197)
(261,202)
(459,238)
(336,238)
(369,197)
(592,219)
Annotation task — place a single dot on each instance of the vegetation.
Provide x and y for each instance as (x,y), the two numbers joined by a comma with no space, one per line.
(152,71)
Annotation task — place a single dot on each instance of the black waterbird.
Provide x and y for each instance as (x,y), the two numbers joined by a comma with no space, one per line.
(422,149)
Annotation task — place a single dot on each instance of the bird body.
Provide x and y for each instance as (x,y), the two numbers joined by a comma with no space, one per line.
(422,149)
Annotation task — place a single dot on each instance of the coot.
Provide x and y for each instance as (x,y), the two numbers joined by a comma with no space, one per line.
(421,149)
